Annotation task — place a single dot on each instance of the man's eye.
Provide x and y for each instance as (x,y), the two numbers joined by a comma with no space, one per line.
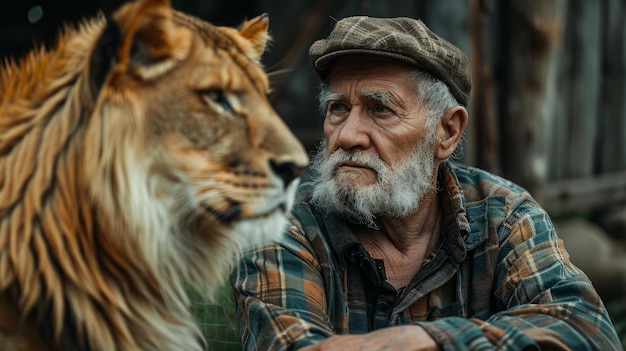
(218,97)
(337,107)
(381,109)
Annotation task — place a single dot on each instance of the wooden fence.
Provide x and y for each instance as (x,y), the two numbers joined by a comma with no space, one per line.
(563,110)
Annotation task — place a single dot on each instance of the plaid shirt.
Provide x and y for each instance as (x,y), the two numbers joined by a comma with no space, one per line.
(498,279)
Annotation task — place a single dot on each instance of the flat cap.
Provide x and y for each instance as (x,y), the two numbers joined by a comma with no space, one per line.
(402,38)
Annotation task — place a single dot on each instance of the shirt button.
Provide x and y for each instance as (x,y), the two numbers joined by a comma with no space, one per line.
(383,306)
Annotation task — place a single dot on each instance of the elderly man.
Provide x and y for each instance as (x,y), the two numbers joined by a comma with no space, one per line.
(394,246)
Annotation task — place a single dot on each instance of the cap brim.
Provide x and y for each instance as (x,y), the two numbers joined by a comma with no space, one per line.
(322,63)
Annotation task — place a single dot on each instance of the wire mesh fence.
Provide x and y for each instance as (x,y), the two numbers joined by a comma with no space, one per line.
(216,320)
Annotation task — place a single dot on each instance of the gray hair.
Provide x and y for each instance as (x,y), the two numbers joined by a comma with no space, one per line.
(434,95)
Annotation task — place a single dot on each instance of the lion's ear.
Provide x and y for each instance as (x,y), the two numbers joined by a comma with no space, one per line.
(255,31)
(141,40)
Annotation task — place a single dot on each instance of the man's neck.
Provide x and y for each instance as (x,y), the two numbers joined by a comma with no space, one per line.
(408,231)
(403,243)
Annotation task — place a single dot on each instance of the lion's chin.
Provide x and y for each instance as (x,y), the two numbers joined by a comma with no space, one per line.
(261,230)
(268,227)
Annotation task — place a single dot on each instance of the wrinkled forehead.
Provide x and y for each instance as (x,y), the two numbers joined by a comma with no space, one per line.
(372,77)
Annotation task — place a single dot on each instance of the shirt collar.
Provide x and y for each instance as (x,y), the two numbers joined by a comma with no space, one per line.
(455,225)
(469,219)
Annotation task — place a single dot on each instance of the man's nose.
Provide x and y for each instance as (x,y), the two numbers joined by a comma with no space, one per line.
(355,131)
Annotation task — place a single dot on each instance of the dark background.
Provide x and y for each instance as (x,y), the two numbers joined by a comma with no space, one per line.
(18,33)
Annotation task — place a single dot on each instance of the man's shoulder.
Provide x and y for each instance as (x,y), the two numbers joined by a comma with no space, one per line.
(473,179)
(491,200)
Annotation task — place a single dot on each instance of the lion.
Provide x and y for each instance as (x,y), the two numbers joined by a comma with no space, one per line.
(140,152)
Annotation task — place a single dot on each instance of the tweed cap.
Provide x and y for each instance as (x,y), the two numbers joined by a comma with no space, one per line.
(402,38)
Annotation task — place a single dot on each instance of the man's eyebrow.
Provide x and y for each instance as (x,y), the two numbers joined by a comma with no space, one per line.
(327,95)
(382,96)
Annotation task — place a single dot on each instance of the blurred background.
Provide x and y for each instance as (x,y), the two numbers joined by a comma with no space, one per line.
(548,106)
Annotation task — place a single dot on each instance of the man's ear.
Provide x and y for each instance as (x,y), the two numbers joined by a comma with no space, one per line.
(450,130)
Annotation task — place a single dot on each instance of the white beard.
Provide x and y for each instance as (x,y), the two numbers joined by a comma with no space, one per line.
(397,192)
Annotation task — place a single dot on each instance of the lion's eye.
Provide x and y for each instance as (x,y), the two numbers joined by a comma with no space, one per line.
(218,97)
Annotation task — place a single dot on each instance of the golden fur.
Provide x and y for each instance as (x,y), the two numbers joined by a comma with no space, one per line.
(139,153)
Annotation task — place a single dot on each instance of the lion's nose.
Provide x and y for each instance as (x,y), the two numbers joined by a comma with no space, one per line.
(287,171)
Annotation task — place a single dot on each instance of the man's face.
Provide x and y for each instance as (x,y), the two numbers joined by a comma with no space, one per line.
(378,156)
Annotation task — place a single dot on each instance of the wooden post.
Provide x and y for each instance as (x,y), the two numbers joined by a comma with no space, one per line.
(535,28)
(579,84)
(484,124)
(612,130)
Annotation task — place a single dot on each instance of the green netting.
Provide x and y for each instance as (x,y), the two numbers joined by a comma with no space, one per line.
(217,320)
